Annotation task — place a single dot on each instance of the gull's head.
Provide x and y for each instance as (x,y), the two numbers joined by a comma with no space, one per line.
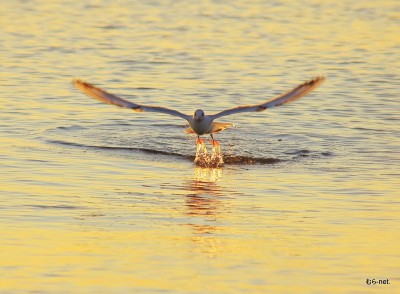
(198,114)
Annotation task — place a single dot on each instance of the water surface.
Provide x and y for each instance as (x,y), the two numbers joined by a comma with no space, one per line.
(96,198)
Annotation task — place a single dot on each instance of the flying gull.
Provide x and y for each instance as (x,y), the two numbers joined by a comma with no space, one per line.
(199,123)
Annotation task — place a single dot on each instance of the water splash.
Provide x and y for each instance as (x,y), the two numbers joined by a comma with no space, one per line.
(203,159)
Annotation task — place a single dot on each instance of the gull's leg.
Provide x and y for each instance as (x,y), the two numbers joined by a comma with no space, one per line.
(201,152)
(216,149)
(216,156)
(200,148)
(199,140)
(213,142)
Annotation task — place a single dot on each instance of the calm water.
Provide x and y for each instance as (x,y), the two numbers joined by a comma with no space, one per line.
(100,199)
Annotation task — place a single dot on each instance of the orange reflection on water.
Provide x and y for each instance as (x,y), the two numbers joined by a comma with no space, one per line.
(204,209)
(202,199)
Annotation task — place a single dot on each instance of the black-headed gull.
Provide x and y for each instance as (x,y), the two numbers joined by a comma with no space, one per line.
(200,123)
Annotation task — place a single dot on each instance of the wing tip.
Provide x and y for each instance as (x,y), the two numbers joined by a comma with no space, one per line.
(78,83)
(311,84)
(316,80)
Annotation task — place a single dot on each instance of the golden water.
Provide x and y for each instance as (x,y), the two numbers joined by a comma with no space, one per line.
(101,199)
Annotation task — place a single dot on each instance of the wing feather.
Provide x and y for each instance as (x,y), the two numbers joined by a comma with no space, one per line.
(291,95)
(103,96)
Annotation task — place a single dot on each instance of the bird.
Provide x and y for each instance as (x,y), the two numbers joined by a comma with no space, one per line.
(200,123)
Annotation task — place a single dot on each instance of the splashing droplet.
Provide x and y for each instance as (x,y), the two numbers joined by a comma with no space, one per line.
(203,159)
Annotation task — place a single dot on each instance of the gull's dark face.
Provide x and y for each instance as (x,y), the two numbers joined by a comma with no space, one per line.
(198,114)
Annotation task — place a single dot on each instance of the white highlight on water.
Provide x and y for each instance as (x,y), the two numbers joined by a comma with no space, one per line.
(203,159)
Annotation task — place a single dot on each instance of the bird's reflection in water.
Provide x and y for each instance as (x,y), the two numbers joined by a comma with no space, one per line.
(205,208)
(207,175)
(202,199)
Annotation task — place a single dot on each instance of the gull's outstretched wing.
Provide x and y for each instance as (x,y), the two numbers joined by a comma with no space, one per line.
(293,94)
(108,98)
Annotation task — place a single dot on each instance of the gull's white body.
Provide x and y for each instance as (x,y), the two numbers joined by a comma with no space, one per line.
(200,123)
